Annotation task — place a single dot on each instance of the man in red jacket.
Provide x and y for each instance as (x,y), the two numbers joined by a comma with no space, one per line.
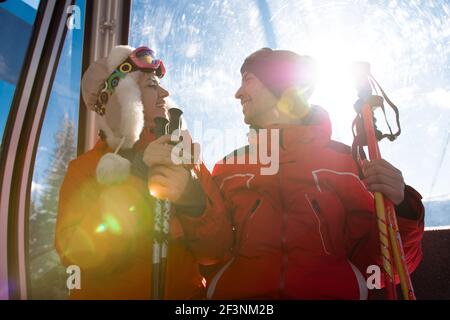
(308,230)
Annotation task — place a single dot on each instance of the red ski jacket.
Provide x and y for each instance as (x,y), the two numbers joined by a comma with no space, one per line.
(310,230)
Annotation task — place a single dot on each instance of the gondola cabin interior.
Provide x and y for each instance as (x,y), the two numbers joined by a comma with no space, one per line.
(48,44)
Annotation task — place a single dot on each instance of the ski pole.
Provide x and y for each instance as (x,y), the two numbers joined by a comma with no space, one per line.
(173,125)
(162,212)
(367,134)
(160,130)
(386,213)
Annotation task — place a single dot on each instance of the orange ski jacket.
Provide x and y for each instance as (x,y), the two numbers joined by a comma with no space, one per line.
(107,232)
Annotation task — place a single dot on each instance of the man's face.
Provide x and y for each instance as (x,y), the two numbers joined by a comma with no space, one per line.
(153,98)
(258,103)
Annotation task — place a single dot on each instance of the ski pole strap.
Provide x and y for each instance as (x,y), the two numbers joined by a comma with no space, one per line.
(358,130)
(391,136)
(359,141)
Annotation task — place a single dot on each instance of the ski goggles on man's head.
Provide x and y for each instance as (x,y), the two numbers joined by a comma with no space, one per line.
(141,59)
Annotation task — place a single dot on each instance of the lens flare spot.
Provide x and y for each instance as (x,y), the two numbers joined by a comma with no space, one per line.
(132,209)
(101,228)
(113,225)
(154,192)
(293,103)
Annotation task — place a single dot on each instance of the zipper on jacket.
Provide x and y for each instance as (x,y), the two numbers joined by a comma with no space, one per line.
(247,218)
(315,206)
(317,211)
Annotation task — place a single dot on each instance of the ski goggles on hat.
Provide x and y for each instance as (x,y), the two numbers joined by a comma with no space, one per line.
(142,59)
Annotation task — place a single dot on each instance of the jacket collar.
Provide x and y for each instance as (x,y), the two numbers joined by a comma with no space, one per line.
(316,127)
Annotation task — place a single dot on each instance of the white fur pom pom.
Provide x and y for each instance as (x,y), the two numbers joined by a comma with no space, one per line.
(112,168)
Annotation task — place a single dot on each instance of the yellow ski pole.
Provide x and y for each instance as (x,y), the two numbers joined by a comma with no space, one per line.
(386,212)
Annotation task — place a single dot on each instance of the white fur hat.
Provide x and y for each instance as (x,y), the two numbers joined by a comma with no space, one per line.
(123,120)
(124,114)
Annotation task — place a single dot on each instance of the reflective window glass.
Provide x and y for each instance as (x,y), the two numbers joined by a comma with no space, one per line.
(204,43)
(16,25)
(57,146)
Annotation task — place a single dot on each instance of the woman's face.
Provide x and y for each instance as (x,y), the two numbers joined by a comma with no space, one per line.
(153,98)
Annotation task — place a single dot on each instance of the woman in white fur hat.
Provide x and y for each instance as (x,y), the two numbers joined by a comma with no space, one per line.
(105,216)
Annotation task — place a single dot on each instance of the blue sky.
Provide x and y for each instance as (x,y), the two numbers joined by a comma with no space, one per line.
(32,3)
(64,98)
(203,44)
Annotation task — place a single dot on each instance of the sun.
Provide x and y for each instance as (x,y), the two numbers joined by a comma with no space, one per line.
(335,90)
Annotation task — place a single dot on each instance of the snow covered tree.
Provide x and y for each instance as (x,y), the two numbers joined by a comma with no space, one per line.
(47,274)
